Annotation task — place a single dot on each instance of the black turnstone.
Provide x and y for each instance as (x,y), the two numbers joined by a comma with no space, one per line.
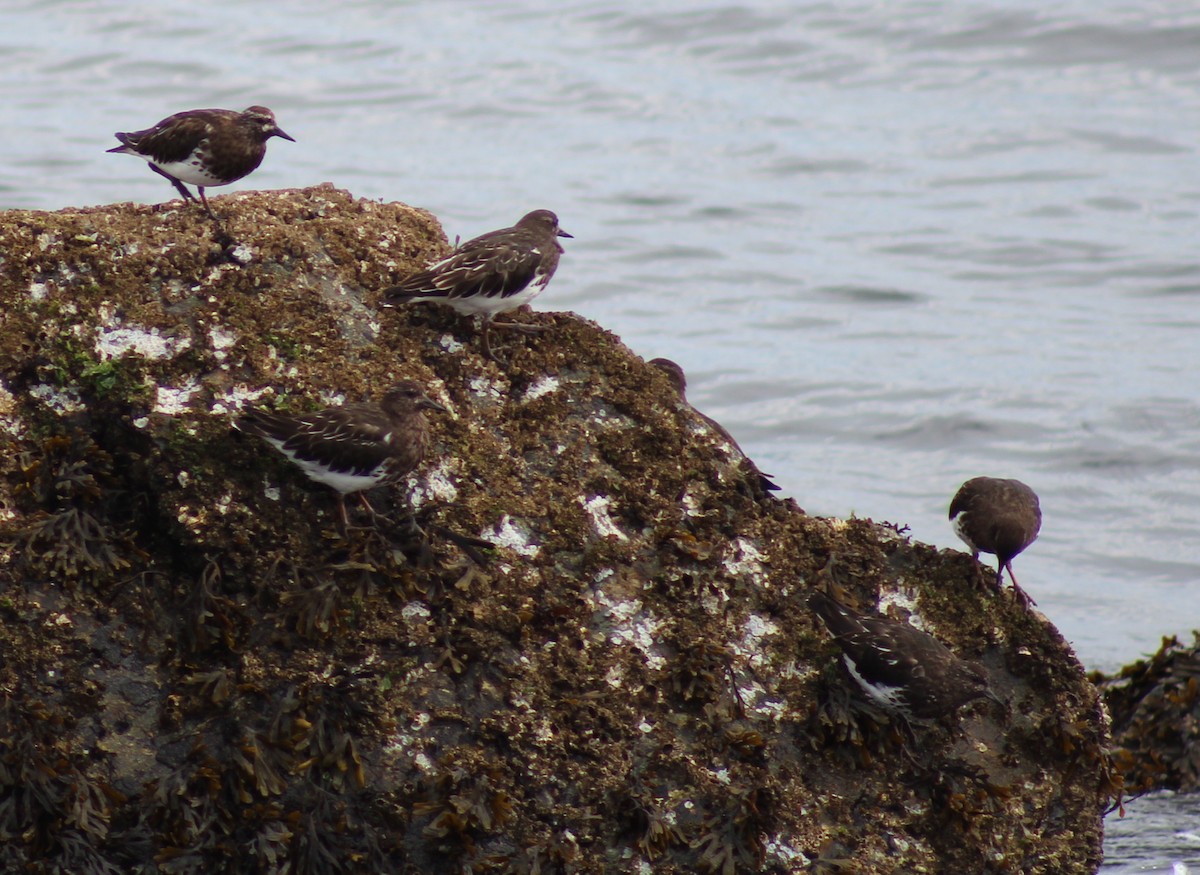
(205,147)
(1000,517)
(679,381)
(355,446)
(900,668)
(492,274)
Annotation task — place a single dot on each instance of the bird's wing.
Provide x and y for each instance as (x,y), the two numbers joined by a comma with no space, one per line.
(491,266)
(172,139)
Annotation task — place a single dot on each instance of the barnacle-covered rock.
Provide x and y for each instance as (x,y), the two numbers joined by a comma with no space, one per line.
(199,672)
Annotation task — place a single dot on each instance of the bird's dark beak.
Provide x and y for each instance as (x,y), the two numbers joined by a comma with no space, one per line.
(280,132)
(990,695)
(430,404)
(562,233)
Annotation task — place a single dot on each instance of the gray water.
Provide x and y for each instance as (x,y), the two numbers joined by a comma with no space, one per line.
(894,245)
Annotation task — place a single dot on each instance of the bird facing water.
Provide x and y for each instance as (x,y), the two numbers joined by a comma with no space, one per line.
(997,516)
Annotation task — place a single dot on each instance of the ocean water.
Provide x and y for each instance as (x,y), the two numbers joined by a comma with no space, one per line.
(894,245)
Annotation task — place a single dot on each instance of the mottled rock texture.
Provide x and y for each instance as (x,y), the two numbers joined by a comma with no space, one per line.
(199,673)
(1155,707)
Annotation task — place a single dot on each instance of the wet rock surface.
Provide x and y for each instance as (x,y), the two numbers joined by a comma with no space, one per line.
(200,673)
(1155,709)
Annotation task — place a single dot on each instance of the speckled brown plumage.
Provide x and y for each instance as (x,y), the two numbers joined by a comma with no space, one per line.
(679,381)
(355,446)
(900,668)
(205,147)
(491,274)
(998,516)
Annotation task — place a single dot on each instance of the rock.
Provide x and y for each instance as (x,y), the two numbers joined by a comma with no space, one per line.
(200,674)
(1154,705)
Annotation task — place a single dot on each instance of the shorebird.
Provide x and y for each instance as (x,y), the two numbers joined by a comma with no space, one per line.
(491,274)
(206,147)
(353,447)
(1000,517)
(900,668)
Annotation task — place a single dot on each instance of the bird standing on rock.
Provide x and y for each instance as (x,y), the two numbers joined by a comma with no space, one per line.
(355,446)
(997,516)
(492,274)
(900,668)
(205,147)
(679,382)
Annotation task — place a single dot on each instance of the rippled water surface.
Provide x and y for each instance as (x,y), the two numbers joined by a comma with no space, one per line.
(894,245)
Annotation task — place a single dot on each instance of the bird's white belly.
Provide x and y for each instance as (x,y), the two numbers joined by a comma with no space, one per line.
(344,482)
(891,698)
(189,171)
(957,525)
(489,306)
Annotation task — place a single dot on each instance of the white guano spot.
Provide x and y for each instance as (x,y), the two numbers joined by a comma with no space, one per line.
(221,339)
(744,558)
(514,535)
(543,386)
(434,486)
(415,612)
(172,400)
(59,400)
(113,343)
(597,507)
(236,398)
(628,624)
(906,604)
(751,646)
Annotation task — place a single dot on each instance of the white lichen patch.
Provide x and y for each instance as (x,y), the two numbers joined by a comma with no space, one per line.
(236,398)
(751,646)
(221,340)
(415,612)
(484,387)
(60,400)
(543,386)
(690,503)
(174,400)
(448,343)
(514,535)
(39,291)
(626,623)
(597,507)
(744,558)
(437,485)
(271,492)
(780,851)
(117,341)
(242,254)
